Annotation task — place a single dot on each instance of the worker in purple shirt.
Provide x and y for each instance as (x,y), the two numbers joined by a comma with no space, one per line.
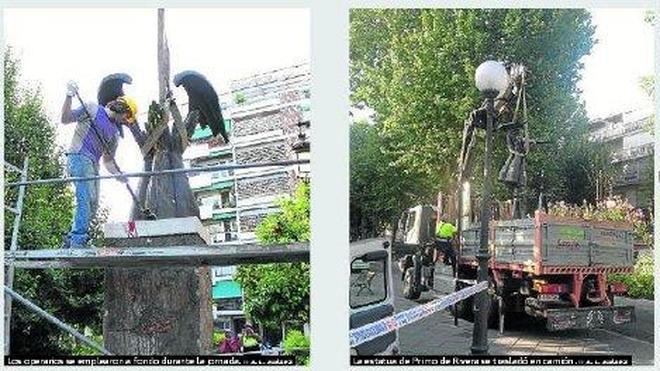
(88,146)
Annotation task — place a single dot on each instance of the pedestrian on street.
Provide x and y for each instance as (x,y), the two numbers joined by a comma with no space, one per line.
(230,344)
(92,140)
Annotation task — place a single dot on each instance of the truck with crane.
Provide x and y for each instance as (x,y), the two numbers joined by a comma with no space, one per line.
(543,265)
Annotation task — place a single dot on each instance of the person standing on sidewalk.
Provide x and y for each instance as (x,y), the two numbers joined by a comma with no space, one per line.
(92,140)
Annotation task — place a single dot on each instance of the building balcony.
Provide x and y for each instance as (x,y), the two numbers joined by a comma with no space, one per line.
(222,175)
(218,211)
(227,297)
(201,180)
(205,212)
(628,178)
(224,206)
(222,237)
(260,200)
(618,130)
(196,150)
(633,153)
(206,182)
(227,313)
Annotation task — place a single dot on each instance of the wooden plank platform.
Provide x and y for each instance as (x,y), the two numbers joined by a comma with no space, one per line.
(153,257)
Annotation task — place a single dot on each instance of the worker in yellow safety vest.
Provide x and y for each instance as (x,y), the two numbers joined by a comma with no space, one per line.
(445,232)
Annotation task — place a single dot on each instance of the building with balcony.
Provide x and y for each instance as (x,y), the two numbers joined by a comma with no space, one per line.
(629,136)
(267,119)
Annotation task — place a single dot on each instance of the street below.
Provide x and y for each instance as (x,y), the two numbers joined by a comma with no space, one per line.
(437,335)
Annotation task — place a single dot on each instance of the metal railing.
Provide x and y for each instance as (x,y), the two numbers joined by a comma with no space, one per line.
(144,174)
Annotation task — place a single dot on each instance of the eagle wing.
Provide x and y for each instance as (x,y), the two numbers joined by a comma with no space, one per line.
(203,98)
(112,86)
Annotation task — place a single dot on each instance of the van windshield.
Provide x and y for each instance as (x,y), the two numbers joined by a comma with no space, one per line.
(368,284)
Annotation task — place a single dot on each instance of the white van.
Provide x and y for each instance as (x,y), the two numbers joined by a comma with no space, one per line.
(371,295)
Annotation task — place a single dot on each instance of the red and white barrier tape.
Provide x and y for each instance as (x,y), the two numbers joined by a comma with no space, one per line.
(373,330)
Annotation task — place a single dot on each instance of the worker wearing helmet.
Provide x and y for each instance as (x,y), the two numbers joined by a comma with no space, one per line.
(92,141)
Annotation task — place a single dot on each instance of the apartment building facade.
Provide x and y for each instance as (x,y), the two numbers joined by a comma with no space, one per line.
(629,135)
(267,118)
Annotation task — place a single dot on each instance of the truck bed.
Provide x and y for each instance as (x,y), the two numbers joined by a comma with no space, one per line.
(553,245)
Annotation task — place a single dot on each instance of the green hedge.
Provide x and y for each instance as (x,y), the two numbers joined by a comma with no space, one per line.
(297,344)
(640,282)
(218,337)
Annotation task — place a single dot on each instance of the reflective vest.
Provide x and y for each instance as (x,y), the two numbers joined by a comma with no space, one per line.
(445,230)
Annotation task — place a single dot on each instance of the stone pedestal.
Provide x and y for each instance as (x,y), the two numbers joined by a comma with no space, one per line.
(159,310)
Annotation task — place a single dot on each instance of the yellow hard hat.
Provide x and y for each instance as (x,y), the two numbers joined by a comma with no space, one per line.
(132,106)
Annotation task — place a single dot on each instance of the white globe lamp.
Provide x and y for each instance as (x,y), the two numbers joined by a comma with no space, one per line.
(491,78)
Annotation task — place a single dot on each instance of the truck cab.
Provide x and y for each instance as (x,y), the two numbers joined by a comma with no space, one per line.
(417,226)
(371,295)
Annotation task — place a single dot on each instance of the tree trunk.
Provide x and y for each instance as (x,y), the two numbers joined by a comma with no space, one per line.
(159,311)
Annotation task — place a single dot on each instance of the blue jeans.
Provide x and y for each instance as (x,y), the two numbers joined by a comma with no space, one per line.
(87,197)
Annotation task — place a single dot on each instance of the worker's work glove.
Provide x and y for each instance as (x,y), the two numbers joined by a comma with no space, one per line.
(71,88)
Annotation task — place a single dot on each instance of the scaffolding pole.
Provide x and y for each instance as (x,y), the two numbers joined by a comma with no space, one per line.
(9,273)
(191,256)
(13,294)
(143,174)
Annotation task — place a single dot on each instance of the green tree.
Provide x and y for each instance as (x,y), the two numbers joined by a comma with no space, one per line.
(415,68)
(291,224)
(379,187)
(279,292)
(75,296)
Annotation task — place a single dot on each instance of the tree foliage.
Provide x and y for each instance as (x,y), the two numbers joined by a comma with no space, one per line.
(379,187)
(297,345)
(291,224)
(279,292)
(74,296)
(275,293)
(415,69)
(640,283)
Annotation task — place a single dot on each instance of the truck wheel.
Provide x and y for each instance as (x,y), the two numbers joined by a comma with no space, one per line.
(411,288)
(464,309)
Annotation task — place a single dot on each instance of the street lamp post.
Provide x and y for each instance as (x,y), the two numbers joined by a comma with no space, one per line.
(491,78)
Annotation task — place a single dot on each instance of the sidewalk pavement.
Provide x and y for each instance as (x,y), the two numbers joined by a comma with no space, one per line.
(437,334)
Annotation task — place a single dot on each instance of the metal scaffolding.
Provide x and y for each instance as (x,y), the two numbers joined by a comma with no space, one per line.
(133,257)
(144,174)
(127,257)
(54,320)
(9,270)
